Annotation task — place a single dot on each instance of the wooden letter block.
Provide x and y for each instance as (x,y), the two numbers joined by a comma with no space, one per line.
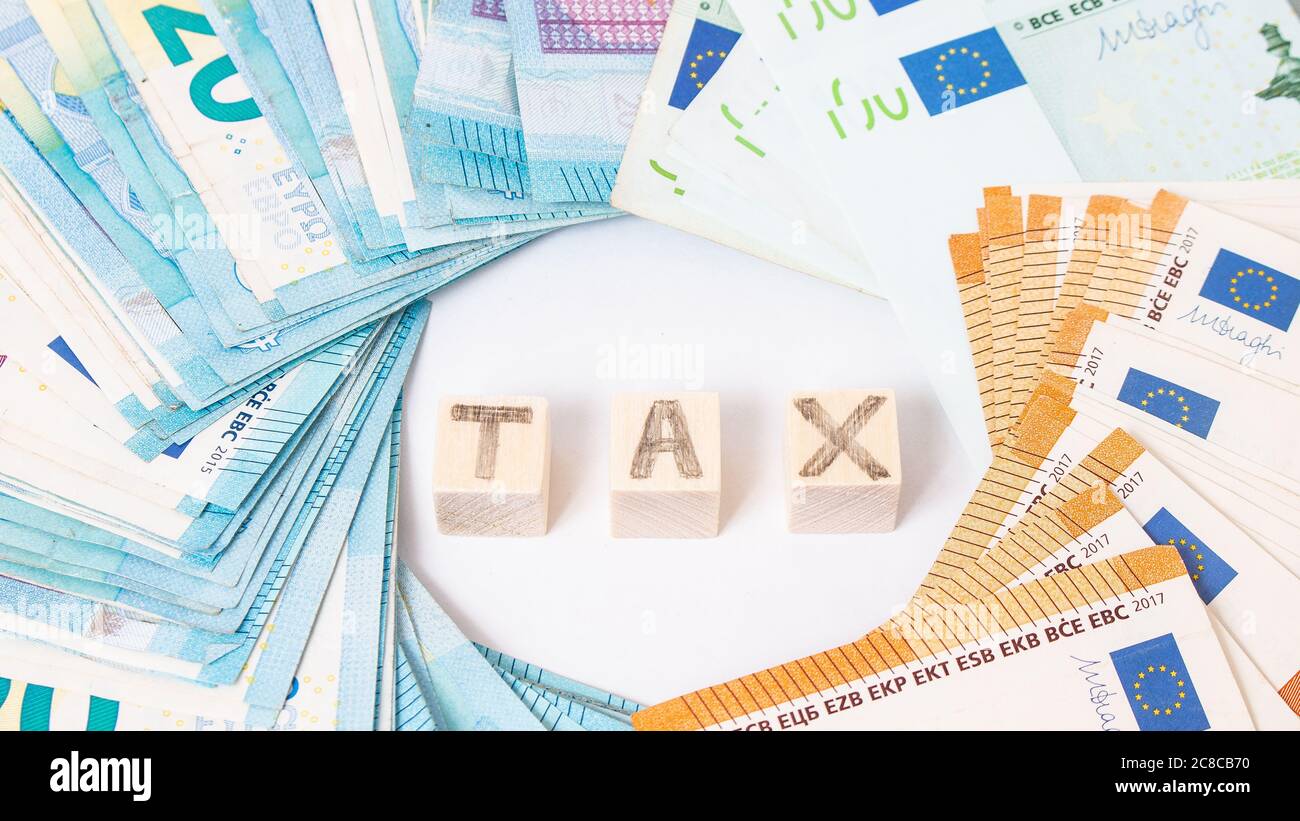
(492,466)
(842,462)
(665,465)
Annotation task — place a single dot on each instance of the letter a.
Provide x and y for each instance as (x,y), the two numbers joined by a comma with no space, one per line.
(653,442)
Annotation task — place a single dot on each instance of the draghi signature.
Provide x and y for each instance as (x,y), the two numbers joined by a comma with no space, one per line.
(1189,15)
(1098,693)
(1224,327)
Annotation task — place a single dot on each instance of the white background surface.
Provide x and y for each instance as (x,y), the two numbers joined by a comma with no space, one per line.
(572,317)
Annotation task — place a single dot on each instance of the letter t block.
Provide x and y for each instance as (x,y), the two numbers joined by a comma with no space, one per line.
(665,465)
(842,463)
(492,466)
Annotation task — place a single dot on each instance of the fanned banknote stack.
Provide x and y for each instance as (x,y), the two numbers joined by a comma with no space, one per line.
(1116,339)
(1129,560)
(219,221)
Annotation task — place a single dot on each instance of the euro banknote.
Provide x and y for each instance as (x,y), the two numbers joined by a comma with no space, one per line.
(699,44)
(1084,649)
(306,532)
(465,111)
(232,310)
(579,71)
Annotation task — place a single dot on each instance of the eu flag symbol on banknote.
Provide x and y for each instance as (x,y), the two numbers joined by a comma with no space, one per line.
(1210,574)
(1158,686)
(707,47)
(1193,412)
(886,6)
(962,71)
(175,449)
(1252,289)
(60,347)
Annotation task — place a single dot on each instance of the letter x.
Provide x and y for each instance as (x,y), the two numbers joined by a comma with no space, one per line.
(841,439)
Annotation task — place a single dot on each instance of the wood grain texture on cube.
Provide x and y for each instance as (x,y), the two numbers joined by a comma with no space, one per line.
(492,465)
(842,462)
(665,465)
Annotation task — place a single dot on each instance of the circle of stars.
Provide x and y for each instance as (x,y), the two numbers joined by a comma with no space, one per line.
(1192,548)
(699,58)
(1172,394)
(943,67)
(1251,272)
(1146,705)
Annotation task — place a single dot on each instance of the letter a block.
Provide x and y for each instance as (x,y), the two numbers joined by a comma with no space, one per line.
(842,462)
(492,466)
(665,465)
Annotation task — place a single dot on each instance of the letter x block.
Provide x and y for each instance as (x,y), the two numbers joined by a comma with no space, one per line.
(842,462)
(492,466)
(665,465)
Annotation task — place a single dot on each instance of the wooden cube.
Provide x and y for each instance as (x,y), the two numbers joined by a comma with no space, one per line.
(665,462)
(843,470)
(492,466)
